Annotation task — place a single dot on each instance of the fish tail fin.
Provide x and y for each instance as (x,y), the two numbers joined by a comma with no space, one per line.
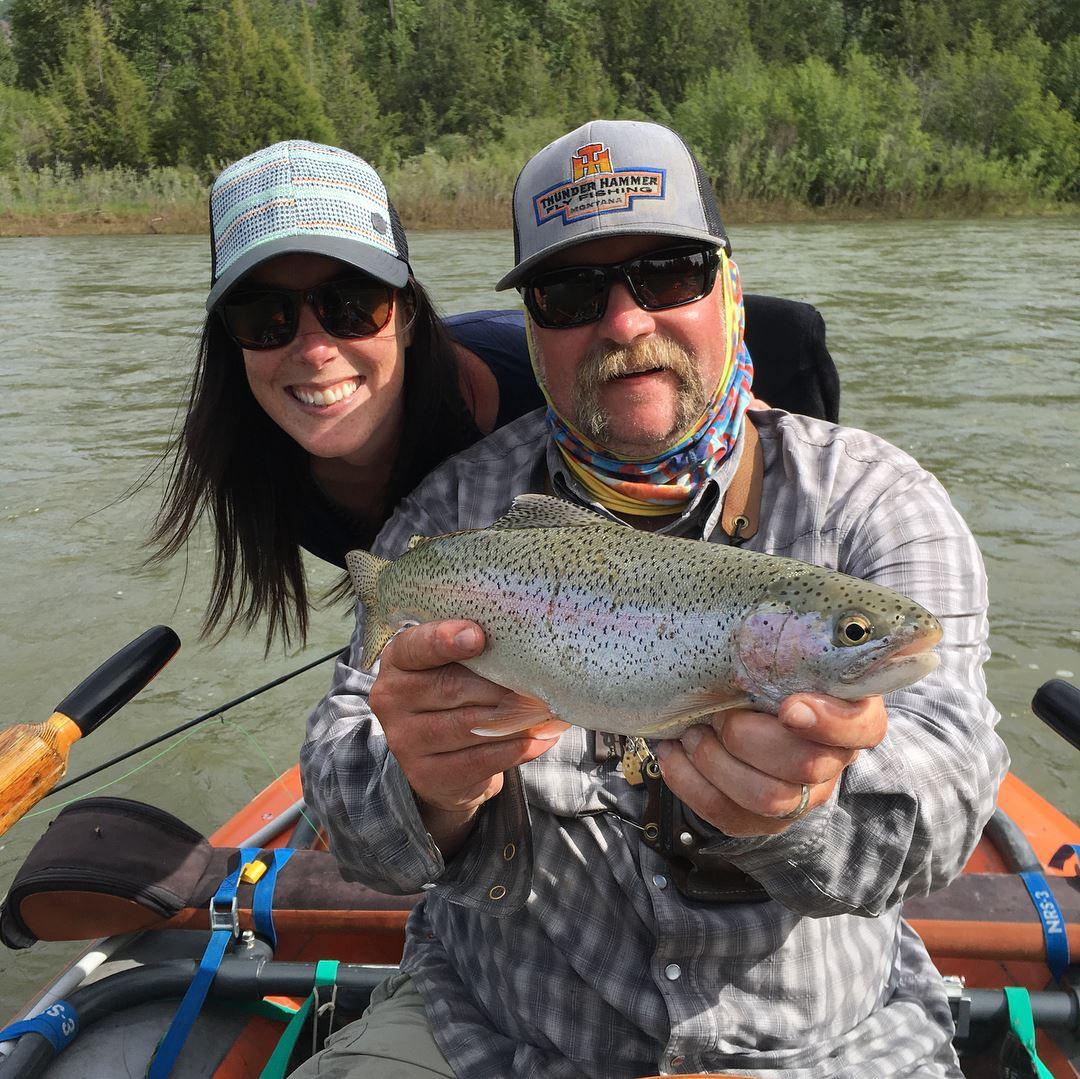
(365,569)
(376,634)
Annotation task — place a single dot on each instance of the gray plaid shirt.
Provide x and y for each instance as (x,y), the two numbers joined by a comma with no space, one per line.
(554,944)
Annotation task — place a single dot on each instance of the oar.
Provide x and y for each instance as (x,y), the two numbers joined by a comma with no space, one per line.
(33,756)
(1057,704)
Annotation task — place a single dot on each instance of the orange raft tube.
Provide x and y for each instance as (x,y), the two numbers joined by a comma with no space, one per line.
(982,928)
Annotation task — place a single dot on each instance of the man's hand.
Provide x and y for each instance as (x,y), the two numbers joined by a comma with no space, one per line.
(743,771)
(428,704)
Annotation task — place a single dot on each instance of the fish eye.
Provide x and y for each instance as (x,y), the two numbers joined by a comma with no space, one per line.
(853,629)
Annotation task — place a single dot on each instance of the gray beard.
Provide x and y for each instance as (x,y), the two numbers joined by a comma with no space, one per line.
(604,364)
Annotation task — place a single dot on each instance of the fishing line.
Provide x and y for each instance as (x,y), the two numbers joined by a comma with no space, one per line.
(118,779)
(276,773)
(183,727)
(168,749)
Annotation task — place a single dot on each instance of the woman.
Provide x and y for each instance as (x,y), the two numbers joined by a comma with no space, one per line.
(325,387)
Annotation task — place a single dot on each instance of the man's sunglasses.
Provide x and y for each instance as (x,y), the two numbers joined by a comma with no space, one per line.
(259,318)
(577,295)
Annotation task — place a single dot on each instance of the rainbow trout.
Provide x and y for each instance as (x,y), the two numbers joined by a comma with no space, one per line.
(607,627)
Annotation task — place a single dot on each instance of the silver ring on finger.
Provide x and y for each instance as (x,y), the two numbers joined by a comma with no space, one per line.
(800,809)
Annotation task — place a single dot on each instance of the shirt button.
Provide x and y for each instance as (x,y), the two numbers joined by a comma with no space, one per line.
(672,972)
(678,1062)
(660,880)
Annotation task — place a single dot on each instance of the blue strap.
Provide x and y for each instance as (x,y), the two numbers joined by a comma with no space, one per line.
(57,1024)
(1053,923)
(164,1059)
(262,902)
(1063,854)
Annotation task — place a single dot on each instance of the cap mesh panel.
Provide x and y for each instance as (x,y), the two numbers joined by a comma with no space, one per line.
(298,188)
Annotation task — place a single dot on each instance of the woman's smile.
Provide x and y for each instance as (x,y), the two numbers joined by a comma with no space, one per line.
(324,396)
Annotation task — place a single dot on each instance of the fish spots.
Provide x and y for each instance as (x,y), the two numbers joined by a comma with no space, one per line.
(610,625)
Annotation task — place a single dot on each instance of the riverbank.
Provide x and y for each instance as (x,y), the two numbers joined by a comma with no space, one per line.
(431,192)
(190,220)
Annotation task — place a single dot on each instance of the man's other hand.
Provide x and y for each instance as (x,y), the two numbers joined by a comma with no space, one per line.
(744,771)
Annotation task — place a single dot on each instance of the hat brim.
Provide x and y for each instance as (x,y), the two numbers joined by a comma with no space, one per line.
(379,264)
(520,272)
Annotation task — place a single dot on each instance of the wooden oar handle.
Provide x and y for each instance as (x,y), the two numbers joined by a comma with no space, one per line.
(119,678)
(33,757)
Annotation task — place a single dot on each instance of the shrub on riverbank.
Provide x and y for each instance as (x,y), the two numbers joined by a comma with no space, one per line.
(847,112)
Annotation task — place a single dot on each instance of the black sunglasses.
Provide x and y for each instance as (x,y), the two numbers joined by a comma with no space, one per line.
(259,318)
(577,295)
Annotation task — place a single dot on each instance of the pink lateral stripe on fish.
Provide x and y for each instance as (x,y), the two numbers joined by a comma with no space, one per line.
(615,629)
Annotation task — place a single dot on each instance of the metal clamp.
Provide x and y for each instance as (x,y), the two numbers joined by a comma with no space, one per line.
(959,1003)
(228,920)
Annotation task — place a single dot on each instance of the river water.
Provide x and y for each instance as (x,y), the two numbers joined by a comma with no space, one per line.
(958,341)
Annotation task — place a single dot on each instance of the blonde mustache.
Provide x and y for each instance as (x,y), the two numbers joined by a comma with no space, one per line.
(605,363)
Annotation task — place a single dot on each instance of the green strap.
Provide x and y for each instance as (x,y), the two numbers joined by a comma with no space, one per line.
(325,974)
(1023,1026)
(268,1009)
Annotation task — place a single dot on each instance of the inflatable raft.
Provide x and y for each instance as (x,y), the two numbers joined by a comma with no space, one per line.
(203,950)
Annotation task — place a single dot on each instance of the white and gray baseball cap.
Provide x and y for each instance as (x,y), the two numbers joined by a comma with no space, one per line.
(302,196)
(610,178)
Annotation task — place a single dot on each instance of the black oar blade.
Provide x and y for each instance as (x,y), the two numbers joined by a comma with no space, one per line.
(119,678)
(1057,704)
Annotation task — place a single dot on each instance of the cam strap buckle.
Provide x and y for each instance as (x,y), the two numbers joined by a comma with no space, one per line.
(224,928)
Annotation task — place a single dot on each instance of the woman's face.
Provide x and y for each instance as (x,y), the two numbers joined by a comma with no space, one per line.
(357,380)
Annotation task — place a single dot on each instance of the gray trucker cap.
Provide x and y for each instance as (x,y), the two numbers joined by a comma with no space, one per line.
(610,178)
(300,196)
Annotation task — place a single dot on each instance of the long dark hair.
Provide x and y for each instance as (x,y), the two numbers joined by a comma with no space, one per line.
(231,461)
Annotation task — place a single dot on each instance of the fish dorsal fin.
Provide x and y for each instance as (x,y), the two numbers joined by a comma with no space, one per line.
(543,511)
(415,541)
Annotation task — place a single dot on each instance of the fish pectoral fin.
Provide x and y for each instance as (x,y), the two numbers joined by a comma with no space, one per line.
(523,713)
(692,705)
(543,511)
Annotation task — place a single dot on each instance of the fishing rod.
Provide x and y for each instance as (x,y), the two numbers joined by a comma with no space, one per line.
(194,722)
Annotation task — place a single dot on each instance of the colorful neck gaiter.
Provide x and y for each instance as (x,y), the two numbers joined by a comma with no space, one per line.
(665,484)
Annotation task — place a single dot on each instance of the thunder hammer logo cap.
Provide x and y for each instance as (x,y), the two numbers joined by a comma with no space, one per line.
(303,197)
(610,178)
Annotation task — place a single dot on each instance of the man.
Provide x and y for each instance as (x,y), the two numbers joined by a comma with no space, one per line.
(553,941)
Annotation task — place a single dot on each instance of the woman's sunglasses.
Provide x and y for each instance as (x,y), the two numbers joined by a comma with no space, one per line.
(259,318)
(577,295)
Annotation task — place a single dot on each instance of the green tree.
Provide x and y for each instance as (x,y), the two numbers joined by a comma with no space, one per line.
(100,102)
(9,70)
(728,117)
(455,79)
(1063,74)
(40,31)
(993,99)
(24,129)
(792,30)
(250,91)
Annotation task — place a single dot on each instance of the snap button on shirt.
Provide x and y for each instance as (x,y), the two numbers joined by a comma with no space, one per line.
(660,880)
(672,972)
